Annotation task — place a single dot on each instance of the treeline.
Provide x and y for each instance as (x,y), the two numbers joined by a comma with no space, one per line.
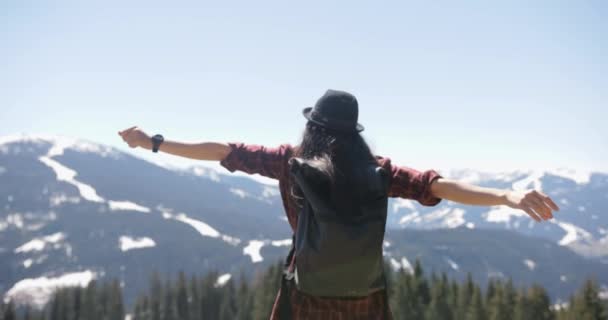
(412,296)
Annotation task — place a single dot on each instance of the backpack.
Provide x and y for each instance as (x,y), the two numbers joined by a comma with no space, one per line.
(340,231)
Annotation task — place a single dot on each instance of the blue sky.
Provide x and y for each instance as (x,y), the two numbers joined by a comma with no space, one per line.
(445,84)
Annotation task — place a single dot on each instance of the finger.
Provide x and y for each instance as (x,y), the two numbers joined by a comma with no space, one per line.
(548,200)
(129,131)
(539,206)
(129,134)
(126,130)
(531,214)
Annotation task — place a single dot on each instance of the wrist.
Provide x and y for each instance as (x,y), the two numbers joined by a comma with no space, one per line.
(503,197)
(146,143)
(156,142)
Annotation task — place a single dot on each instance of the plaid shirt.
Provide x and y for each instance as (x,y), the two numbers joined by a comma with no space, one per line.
(405,183)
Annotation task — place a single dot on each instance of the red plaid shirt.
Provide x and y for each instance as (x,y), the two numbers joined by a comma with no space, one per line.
(405,183)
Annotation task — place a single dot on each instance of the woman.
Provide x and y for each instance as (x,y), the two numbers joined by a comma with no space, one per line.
(334,192)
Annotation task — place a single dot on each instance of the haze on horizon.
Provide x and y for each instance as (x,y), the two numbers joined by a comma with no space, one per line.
(491,86)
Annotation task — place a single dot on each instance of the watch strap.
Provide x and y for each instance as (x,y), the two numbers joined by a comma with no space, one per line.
(157,139)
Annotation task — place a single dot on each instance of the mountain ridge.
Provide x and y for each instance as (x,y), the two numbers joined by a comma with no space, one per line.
(60,197)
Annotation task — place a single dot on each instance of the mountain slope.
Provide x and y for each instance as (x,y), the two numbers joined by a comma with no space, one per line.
(72,210)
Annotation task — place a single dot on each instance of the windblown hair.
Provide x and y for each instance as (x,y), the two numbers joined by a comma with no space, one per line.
(339,155)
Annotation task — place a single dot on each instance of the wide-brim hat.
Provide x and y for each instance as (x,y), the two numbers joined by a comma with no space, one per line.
(335,110)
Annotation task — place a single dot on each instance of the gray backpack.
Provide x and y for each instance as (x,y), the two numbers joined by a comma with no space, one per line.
(340,232)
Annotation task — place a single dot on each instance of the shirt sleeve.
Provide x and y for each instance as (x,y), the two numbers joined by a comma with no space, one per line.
(251,159)
(409,183)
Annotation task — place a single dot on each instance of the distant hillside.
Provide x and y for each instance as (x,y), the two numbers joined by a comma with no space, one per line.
(72,210)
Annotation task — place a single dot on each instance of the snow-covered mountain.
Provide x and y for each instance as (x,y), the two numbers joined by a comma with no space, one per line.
(73,210)
(581,223)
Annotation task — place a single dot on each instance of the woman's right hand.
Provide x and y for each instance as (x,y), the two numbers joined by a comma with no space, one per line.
(135,137)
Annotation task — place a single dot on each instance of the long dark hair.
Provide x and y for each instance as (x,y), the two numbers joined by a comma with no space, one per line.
(339,154)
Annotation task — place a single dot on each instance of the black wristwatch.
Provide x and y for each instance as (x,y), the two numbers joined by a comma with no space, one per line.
(157,139)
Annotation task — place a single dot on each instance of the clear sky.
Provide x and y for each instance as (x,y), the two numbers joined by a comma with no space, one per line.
(441,84)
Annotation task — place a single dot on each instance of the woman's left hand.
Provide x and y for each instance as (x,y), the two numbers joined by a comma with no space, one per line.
(535,203)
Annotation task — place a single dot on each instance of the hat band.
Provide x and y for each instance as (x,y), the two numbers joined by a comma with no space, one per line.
(335,124)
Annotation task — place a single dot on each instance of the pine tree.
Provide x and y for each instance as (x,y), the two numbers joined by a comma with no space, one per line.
(475,310)
(421,283)
(465,295)
(228,307)
(182,297)
(27,313)
(156,289)
(115,304)
(9,312)
(490,290)
(195,304)
(522,307)
(407,303)
(169,309)
(244,300)
(266,292)
(509,295)
(587,304)
(539,304)
(497,308)
(439,308)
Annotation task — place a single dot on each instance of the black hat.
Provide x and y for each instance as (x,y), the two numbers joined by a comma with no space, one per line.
(335,110)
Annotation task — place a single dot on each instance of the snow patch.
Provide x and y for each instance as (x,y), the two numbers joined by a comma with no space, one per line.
(452,264)
(455,218)
(270,192)
(37,292)
(386,244)
(57,199)
(222,280)
(412,217)
(38,244)
(406,265)
(60,143)
(202,228)
(573,233)
(530,264)
(240,193)
(531,181)
(395,264)
(502,214)
(126,205)
(127,243)
(206,172)
(68,175)
(28,263)
(253,250)
(578,176)
(281,243)
(448,217)
(403,203)
(14,219)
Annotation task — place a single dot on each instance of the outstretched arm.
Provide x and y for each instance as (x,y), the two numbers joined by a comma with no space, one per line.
(135,137)
(535,203)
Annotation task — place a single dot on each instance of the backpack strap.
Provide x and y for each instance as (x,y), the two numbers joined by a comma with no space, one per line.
(282,305)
